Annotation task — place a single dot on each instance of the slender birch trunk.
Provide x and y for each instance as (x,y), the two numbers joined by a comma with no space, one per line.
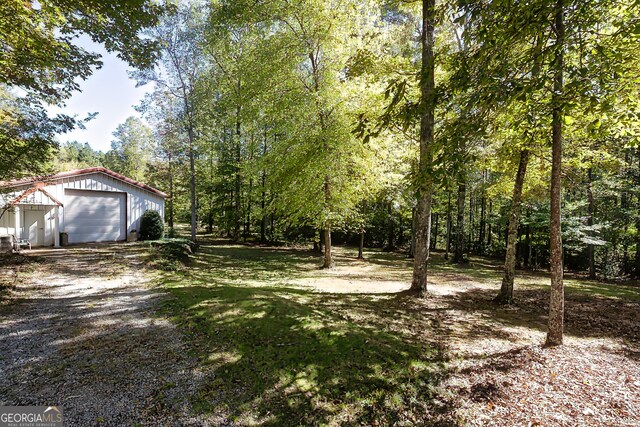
(592,209)
(506,291)
(458,256)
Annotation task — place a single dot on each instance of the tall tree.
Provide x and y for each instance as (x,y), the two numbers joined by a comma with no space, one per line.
(318,168)
(506,290)
(181,64)
(424,184)
(162,112)
(131,149)
(556,305)
(27,136)
(542,57)
(74,155)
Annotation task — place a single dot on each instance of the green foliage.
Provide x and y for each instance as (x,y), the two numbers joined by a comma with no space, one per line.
(278,102)
(40,56)
(27,136)
(131,150)
(151,226)
(287,111)
(38,50)
(74,155)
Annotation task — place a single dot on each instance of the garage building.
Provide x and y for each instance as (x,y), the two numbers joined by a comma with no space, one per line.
(90,205)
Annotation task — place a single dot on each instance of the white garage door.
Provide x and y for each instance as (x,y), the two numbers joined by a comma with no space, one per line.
(95,216)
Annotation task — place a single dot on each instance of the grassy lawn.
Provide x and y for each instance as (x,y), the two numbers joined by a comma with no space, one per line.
(489,272)
(279,343)
(276,353)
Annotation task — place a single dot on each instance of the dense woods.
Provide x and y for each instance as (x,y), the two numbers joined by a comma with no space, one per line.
(377,212)
(495,128)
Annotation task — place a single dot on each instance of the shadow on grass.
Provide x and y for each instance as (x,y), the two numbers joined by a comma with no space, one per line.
(284,357)
(250,259)
(275,354)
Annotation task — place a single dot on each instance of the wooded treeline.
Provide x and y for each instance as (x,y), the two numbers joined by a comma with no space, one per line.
(306,117)
(499,128)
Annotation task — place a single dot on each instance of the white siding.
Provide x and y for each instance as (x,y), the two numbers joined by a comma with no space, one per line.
(95,216)
(7,223)
(138,200)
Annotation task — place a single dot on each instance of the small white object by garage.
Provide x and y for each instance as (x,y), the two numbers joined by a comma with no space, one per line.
(89,205)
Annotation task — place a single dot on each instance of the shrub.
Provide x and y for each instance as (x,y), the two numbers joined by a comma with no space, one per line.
(171,254)
(151,226)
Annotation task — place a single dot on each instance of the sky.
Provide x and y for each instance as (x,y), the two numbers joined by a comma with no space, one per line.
(108,91)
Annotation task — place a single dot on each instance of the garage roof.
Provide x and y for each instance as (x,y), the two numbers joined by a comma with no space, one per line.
(33,180)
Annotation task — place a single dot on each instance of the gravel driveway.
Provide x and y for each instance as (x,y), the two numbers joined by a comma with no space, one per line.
(82,333)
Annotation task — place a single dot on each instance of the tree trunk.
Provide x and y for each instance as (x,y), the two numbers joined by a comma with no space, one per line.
(481,231)
(272,236)
(361,246)
(489,230)
(448,244)
(390,227)
(192,174)
(592,208)
(229,214)
(263,222)
(425,185)
(237,218)
(328,205)
(471,208)
(170,197)
(328,259)
(556,303)
(414,219)
(247,228)
(434,240)
(192,163)
(458,256)
(637,257)
(192,189)
(506,290)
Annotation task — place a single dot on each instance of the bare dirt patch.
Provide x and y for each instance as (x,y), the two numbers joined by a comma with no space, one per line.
(355,277)
(569,385)
(501,375)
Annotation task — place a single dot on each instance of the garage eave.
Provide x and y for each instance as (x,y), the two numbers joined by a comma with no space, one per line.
(86,171)
(25,199)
